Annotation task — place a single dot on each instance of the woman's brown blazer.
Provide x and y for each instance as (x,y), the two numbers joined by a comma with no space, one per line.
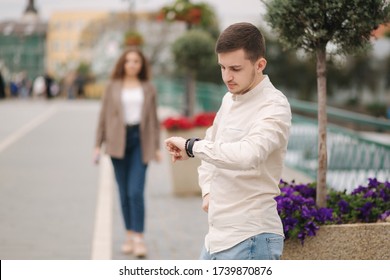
(111,130)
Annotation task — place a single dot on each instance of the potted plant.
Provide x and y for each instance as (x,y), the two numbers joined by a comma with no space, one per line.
(133,38)
(200,14)
(353,226)
(185,173)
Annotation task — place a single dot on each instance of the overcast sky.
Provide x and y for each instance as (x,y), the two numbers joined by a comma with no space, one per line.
(228,11)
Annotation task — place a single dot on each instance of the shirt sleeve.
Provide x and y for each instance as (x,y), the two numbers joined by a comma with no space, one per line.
(269,132)
(205,170)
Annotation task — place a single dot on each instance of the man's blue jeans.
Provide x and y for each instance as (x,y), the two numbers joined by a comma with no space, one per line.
(130,176)
(265,246)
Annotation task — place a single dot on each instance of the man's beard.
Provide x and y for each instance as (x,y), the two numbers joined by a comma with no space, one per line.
(250,85)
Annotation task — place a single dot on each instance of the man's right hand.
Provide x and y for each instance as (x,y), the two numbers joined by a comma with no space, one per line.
(205,203)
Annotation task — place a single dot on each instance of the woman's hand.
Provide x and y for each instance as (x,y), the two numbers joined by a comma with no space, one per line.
(158,156)
(96,156)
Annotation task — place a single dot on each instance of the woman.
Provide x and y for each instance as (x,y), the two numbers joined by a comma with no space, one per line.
(129,128)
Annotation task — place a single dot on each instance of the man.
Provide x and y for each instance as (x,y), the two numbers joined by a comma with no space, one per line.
(242,154)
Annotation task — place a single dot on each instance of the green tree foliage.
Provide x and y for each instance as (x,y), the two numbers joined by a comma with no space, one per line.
(313,24)
(192,53)
(318,27)
(84,69)
(193,50)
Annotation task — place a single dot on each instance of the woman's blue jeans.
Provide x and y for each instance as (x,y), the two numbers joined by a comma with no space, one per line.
(265,246)
(130,176)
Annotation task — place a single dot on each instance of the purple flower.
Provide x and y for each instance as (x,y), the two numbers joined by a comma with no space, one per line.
(301,236)
(344,206)
(384,215)
(305,191)
(289,223)
(370,193)
(311,228)
(365,211)
(284,203)
(287,191)
(373,182)
(358,190)
(306,212)
(300,200)
(324,215)
(384,195)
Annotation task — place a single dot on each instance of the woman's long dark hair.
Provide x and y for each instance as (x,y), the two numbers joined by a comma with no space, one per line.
(119,70)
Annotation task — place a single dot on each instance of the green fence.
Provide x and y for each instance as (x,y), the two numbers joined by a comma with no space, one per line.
(352,159)
(171,93)
(353,119)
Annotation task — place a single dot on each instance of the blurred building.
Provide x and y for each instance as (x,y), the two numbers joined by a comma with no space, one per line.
(22,43)
(96,39)
(70,39)
(66,31)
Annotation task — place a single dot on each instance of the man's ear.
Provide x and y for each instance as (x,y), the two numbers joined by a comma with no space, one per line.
(260,64)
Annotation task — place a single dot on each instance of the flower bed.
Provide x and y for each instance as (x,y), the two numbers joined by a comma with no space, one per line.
(203,120)
(353,226)
(301,217)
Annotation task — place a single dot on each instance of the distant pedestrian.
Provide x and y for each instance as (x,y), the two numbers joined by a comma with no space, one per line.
(80,85)
(2,86)
(69,85)
(242,154)
(48,86)
(24,85)
(39,87)
(14,88)
(129,128)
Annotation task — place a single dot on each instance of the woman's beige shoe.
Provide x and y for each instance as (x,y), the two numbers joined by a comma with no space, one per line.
(128,247)
(139,248)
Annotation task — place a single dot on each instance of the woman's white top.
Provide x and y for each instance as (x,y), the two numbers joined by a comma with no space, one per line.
(132,102)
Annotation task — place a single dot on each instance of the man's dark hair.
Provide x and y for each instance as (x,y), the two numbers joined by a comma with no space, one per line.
(244,36)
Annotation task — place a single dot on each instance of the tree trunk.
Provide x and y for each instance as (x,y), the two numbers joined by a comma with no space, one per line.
(190,94)
(322,123)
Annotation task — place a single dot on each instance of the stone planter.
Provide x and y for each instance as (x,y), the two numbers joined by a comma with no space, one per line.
(185,173)
(343,242)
